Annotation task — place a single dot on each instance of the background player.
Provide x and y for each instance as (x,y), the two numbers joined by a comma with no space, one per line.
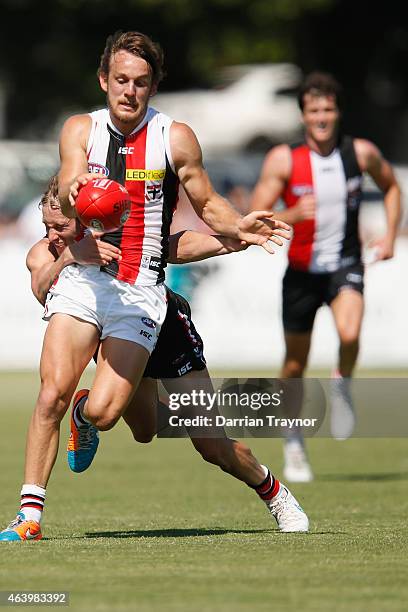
(320,182)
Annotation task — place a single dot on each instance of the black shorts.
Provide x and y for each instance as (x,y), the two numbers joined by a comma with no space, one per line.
(179,349)
(304,292)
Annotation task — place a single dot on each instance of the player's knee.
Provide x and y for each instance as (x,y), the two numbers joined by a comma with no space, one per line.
(103,422)
(52,404)
(293,368)
(142,437)
(348,336)
(102,414)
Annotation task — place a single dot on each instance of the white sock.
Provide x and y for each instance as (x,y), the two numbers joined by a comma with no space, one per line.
(32,502)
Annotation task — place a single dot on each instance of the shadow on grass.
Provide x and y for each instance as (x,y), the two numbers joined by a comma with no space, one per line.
(186,533)
(171,533)
(381,477)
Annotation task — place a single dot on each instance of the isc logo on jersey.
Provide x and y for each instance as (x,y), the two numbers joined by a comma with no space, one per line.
(126,150)
(98,169)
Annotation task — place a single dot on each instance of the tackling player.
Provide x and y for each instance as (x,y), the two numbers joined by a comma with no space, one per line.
(178,353)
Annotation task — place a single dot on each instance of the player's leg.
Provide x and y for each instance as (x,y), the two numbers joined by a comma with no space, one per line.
(141,412)
(131,322)
(118,372)
(119,369)
(68,346)
(297,347)
(301,298)
(348,309)
(236,458)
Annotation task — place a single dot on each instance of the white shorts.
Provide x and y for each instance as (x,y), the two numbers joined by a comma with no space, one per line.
(118,309)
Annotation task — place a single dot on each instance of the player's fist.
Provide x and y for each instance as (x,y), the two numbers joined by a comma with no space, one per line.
(305,208)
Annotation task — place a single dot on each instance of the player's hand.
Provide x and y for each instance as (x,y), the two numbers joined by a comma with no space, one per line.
(259,227)
(383,248)
(305,208)
(80,181)
(93,251)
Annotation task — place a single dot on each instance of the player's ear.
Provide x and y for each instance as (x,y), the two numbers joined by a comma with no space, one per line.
(153,90)
(103,81)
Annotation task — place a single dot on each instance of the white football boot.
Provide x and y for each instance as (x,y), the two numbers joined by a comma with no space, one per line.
(343,418)
(288,513)
(296,466)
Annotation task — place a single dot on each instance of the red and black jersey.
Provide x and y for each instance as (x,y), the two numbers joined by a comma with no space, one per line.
(331,240)
(141,162)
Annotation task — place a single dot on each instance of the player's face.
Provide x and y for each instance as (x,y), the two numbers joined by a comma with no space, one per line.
(128,87)
(60,230)
(320,117)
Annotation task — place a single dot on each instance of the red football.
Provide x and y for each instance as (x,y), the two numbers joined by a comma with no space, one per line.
(103,205)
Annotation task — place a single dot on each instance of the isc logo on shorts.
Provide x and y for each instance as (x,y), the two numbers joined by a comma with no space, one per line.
(187,367)
(145,334)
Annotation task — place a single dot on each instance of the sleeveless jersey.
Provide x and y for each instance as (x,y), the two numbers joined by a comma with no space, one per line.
(329,241)
(141,162)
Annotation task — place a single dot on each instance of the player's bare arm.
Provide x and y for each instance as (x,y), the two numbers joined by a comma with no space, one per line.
(208,204)
(44,267)
(370,160)
(188,246)
(275,174)
(45,262)
(74,164)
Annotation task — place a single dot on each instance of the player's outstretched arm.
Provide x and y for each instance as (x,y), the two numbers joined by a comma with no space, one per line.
(73,144)
(210,206)
(370,160)
(188,246)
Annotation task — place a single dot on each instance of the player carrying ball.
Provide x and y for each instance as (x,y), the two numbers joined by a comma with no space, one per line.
(121,305)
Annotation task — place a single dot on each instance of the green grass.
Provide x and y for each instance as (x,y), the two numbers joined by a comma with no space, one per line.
(155,528)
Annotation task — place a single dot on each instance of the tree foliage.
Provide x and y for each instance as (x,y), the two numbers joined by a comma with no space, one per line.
(50,50)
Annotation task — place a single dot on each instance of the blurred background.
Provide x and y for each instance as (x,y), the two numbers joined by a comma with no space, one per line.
(233,67)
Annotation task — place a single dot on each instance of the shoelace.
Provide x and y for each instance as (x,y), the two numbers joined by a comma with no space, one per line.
(278,506)
(86,436)
(15,522)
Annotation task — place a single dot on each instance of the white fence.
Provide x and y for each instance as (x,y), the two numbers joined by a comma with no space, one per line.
(237,311)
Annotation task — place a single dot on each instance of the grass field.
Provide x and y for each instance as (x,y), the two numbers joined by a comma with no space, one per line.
(155,528)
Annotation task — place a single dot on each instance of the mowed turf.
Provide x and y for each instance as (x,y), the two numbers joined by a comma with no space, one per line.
(155,528)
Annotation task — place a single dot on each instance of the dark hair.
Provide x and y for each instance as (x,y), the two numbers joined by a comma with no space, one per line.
(51,192)
(320,84)
(138,44)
